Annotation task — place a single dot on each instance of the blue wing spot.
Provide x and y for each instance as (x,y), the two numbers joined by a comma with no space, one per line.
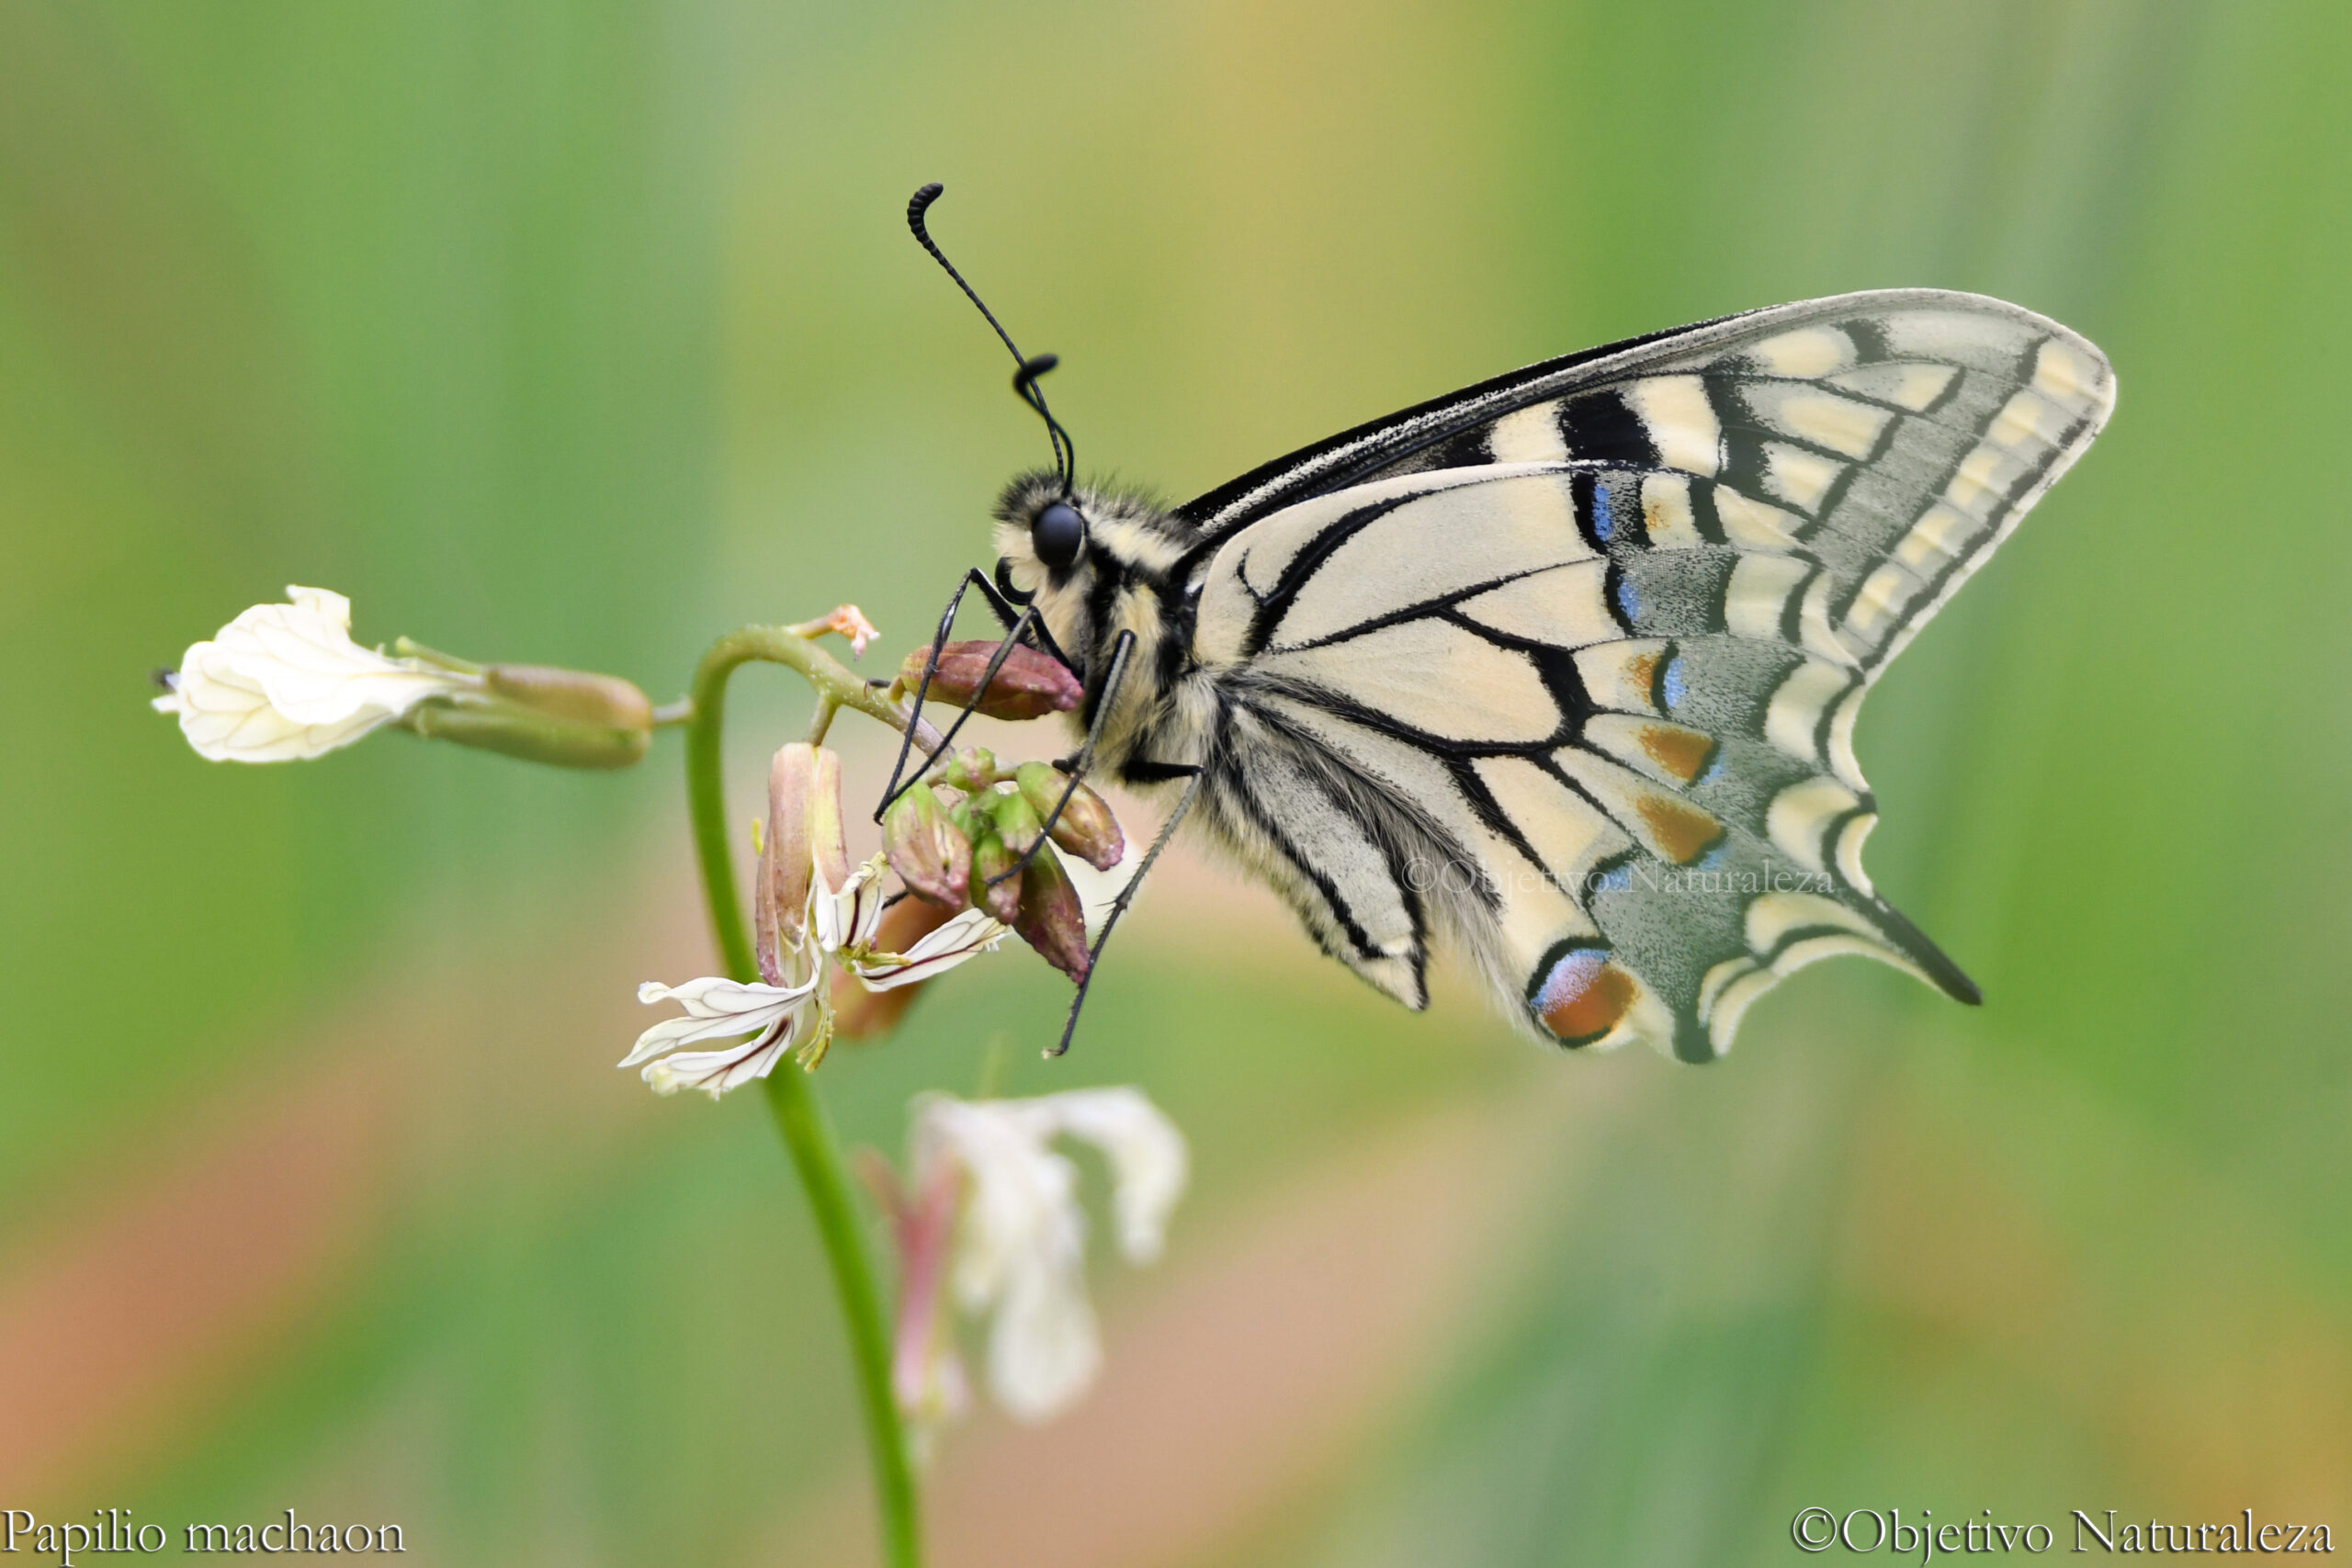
(1604,521)
(1615,881)
(1714,771)
(1671,684)
(1629,600)
(1716,857)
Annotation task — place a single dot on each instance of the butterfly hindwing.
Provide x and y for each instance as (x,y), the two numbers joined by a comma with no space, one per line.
(1569,663)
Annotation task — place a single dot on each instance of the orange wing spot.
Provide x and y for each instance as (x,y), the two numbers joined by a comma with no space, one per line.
(1584,997)
(1683,832)
(1642,671)
(1682,752)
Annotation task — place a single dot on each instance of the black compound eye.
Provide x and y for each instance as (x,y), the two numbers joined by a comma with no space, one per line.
(1058,534)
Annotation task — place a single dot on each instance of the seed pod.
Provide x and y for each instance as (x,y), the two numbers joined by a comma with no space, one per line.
(1086,828)
(931,856)
(992,859)
(1028,685)
(1051,918)
(529,733)
(578,696)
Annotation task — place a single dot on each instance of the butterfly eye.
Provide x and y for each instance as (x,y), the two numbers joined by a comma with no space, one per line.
(1058,534)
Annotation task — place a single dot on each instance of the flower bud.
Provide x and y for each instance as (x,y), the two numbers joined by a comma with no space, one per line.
(780,892)
(1028,685)
(828,847)
(992,859)
(1086,828)
(1016,823)
(1051,918)
(931,856)
(971,770)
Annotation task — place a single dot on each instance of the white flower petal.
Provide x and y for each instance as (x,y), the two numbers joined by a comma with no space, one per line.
(967,933)
(1020,1204)
(1044,1348)
(285,682)
(715,1072)
(847,917)
(1149,1165)
(1021,1236)
(717,1009)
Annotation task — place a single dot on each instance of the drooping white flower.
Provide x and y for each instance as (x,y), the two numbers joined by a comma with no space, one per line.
(719,1009)
(1019,1239)
(800,949)
(282,682)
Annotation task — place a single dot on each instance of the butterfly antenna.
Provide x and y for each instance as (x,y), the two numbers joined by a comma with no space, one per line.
(1024,380)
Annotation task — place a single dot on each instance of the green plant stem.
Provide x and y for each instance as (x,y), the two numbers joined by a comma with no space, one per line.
(792,1099)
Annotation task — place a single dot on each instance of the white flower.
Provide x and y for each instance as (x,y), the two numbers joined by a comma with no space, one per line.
(833,933)
(1019,1239)
(285,682)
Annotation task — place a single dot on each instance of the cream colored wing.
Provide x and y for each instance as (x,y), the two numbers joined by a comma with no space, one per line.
(1578,681)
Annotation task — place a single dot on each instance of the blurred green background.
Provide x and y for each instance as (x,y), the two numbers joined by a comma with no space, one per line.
(577,333)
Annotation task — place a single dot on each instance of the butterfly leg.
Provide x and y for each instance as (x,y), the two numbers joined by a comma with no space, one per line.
(1002,603)
(1119,905)
(901,780)
(1079,763)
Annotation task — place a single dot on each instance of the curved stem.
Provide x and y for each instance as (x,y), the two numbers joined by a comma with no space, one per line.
(799,1117)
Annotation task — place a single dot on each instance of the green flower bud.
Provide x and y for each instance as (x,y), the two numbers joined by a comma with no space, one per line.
(1050,918)
(1086,828)
(930,853)
(992,859)
(971,770)
(1027,685)
(1016,823)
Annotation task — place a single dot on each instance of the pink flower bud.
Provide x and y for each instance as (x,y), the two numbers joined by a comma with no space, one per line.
(930,853)
(1086,828)
(1029,685)
(1050,918)
(828,847)
(780,888)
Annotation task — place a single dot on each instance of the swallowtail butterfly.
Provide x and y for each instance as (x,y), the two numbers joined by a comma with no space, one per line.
(1564,667)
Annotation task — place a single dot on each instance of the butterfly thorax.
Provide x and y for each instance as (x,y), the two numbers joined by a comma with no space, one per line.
(1135,573)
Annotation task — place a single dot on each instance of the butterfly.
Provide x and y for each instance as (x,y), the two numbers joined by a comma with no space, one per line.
(1563,667)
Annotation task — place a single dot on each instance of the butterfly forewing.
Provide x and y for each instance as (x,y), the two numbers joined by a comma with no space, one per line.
(1570,661)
